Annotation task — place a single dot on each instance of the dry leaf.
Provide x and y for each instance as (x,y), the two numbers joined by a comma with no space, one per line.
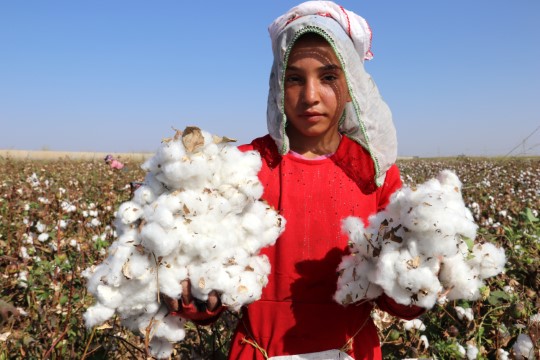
(177,133)
(414,263)
(125,270)
(104,327)
(192,138)
(222,139)
(202,283)
(242,289)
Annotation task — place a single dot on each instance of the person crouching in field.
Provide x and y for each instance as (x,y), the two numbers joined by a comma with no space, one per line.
(330,153)
(113,163)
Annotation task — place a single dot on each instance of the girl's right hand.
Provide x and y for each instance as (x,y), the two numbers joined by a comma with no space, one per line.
(190,308)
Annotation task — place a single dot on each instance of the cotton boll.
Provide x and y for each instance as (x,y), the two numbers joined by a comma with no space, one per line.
(463,282)
(472,352)
(170,328)
(353,283)
(450,179)
(118,255)
(489,259)
(129,212)
(170,151)
(261,266)
(163,217)
(523,347)
(415,324)
(423,284)
(108,296)
(160,348)
(502,354)
(252,188)
(252,223)
(138,266)
(128,237)
(157,186)
(97,314)
(462,313)
(144,195)
(158,241)
(170,276)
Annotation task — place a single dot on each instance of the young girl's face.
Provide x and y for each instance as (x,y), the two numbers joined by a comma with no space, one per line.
(315,89)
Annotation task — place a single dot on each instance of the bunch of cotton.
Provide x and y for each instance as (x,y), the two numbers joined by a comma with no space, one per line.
(419,250)
(197,216)
(523,347)
(462,313)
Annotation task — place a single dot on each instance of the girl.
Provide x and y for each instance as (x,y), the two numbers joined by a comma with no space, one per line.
(329,154)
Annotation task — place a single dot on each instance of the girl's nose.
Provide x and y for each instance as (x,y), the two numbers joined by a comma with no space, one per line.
(311,92)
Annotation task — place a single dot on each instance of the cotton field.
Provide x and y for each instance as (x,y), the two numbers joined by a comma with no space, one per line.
(57,219)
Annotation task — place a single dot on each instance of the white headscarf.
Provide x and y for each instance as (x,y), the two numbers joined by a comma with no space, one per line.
(367,119)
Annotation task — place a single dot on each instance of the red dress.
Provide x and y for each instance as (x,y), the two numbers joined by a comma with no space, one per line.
(296,313)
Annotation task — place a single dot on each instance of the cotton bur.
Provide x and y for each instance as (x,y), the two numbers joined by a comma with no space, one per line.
(198,216)
(420,249)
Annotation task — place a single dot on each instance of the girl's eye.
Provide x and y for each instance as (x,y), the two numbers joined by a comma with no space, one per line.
(293,79)
(330,77)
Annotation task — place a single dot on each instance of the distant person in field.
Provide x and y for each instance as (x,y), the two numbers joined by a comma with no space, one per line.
(330,153)
(113,163)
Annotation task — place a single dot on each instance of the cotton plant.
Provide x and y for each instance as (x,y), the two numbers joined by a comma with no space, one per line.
(198,216)
(420,250)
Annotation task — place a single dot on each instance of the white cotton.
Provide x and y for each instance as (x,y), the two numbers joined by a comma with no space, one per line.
(463,282)
(22,279)
(472,352)
(197,216)
(424,341)
(109,296)
(160,348)
(502,354)
(23,253)
(144,195)
(523,347)
(129,212)
(462,313)
(157,240)
(97,314)
(40,227)
(419,248)
(415,324)
(43,237)
(488,259)
(170,276)
(461,350)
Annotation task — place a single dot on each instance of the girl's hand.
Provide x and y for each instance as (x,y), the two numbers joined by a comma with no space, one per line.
(212,303)
(190,308)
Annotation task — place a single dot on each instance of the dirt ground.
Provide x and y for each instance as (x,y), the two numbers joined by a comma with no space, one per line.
(56,155)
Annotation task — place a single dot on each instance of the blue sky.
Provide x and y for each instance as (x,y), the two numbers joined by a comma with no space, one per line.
(460,76)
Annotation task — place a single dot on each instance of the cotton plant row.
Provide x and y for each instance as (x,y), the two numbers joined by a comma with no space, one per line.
(198,216)
(420,250)
(523,348)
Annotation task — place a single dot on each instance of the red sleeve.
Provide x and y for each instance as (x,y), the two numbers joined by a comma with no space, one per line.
(392,182)
(406,312)
(190,312)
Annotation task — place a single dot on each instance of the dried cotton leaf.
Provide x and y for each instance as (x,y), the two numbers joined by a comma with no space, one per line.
(192,138)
